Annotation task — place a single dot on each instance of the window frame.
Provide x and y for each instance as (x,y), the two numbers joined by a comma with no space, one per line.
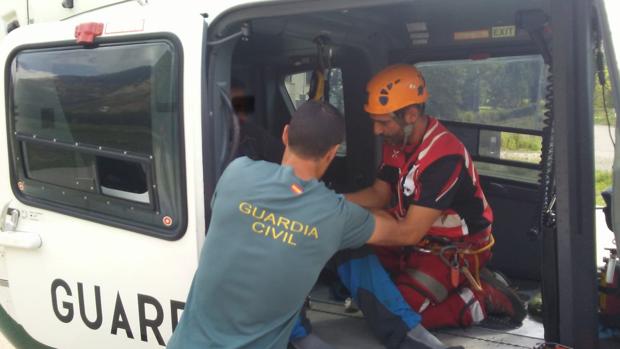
(178,201)
(488,159)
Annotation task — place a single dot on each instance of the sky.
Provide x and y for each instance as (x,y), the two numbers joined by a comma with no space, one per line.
(613,15)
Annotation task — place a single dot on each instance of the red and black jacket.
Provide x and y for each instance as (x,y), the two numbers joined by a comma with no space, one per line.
(438,173)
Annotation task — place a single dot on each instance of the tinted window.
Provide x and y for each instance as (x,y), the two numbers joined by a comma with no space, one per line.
(298,85)
(497,91)
(496,107)
(103,122)
(58,166)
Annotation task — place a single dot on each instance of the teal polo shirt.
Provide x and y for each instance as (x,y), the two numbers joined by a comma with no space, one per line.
(270,235)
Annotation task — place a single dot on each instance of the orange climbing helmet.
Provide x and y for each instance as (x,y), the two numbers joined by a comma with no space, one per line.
(394,88)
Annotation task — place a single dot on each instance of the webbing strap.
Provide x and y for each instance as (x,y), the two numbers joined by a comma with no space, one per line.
(437,290)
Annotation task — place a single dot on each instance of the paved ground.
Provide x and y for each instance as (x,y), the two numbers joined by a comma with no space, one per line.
(604,150)
(603,157)
(4,344)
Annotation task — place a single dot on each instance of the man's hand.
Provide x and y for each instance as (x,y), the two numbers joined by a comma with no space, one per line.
(376,196)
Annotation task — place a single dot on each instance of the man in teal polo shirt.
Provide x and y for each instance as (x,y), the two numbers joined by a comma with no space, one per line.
(272,230)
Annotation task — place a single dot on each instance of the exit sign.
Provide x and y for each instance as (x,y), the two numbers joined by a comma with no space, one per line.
(508,31)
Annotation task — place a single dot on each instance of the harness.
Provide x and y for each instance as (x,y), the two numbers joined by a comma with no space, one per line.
(453,255)
(449,238)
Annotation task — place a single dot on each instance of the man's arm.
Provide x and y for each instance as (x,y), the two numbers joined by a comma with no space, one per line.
(376,196)
(409,231)
(433,199)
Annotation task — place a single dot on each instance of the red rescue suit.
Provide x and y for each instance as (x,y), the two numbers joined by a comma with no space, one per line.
(439,277)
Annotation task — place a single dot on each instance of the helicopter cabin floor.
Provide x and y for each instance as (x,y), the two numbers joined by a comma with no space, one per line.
(348,330)
(342,329)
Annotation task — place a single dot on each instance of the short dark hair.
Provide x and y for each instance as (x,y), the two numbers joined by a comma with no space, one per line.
(314,128)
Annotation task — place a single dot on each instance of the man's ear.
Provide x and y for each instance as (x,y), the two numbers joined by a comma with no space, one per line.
(285,136)
(331,153)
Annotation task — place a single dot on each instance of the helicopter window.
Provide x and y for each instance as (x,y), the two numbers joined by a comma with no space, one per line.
(298,86)
(496,106)
(97,132)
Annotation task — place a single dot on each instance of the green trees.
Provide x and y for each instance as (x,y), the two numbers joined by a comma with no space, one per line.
(500,91)
(598,101)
